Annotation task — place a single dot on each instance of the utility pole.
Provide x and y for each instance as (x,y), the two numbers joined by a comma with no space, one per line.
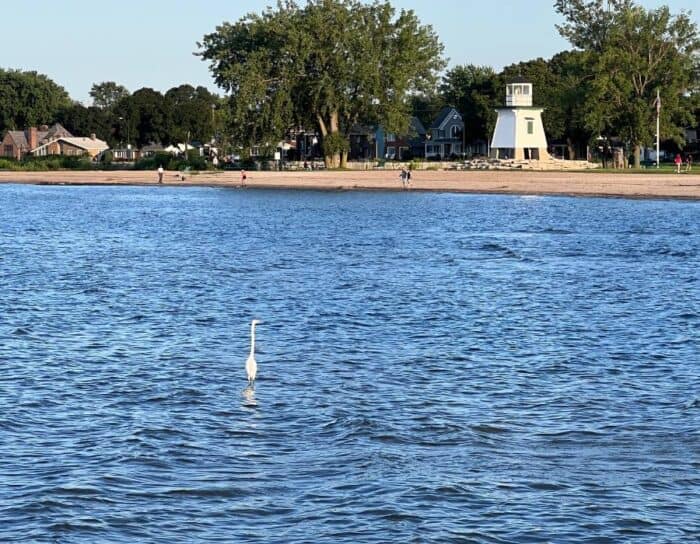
(658,125)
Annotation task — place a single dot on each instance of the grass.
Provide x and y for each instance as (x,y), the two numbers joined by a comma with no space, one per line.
(665,169)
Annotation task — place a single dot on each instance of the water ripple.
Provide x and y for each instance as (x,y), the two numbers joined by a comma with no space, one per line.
(433,367)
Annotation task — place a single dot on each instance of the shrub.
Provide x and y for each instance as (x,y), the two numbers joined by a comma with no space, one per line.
(55,162)
(170,162)
(415,164)
(9,164)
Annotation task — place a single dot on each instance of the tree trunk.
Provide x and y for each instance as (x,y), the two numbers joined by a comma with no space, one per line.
(344,159)
(570,149)
(331,160)
(637,156)
(323,128)
(334,130)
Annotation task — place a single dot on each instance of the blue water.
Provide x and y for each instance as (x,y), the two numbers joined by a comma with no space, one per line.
(432,367)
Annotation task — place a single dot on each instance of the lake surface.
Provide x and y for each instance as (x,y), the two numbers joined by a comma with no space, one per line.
(432,367)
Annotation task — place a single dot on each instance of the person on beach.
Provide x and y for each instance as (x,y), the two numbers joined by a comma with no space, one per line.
(244,177)
(688,163)
(408,178)
(160,174)
(402,175)
(678,162)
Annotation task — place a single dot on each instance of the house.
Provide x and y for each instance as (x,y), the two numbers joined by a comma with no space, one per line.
(363,143)
(72,146)
(19,143)
(407,146)
(151,149)
(445,138)
(125,154)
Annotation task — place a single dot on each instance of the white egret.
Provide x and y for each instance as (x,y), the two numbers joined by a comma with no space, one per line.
(251,367)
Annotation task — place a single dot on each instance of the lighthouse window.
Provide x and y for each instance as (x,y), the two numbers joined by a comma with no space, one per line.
(530,126)
(526,90)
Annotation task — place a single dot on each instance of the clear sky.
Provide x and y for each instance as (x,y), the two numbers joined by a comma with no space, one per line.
(150,43)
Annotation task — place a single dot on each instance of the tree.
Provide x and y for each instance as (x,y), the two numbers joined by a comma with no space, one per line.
(588,22)
(143,117)
(106,94)
(426,106)
(191,112)
(333,64)
(29,99)
(475,91)
(638,53)
(84,121)
(571,70)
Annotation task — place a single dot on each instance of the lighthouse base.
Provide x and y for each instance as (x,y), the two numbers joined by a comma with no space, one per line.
(520,153)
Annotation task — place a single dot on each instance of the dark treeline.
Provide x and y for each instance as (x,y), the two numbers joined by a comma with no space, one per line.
(183,113)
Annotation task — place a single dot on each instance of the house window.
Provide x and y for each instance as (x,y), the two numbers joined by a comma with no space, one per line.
(530,126)
(8,150)
(456,132)
(391,137)
(390,152)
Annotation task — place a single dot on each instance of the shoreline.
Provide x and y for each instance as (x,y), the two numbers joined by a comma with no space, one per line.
(577,183)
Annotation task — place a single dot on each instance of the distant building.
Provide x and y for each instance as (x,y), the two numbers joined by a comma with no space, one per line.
(151,149)
(407,146)
(445,138)
(72,146)
(519,132)
(18,143)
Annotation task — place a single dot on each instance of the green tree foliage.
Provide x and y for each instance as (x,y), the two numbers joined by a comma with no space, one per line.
(475,91)
(105,95)
(588,22)
(426,106)
(332,63)
(640,52)
(29,99)
(84,121)
(143,118)
(191,113)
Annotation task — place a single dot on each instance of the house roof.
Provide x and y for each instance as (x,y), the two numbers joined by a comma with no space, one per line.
(152,147)
(88,144)
(57,130)
(415,126)
(443,116)
(19,138)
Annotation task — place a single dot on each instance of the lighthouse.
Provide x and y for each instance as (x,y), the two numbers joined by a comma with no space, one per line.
(519,133)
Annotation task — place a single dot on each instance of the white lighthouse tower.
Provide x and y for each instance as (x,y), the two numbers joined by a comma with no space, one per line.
(519,133)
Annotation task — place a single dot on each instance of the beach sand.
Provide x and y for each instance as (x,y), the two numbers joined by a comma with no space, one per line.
(686,186)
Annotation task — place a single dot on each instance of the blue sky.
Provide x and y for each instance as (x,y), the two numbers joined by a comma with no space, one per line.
(149,43)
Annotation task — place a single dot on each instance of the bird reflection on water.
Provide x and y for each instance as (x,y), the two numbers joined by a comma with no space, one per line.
(249,400)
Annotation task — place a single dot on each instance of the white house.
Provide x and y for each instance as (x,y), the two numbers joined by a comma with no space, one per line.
(519,133)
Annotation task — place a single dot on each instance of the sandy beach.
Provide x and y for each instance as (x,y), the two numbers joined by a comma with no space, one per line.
(685,186)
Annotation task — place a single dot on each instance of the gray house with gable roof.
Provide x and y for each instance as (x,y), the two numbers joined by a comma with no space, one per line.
(445,137)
